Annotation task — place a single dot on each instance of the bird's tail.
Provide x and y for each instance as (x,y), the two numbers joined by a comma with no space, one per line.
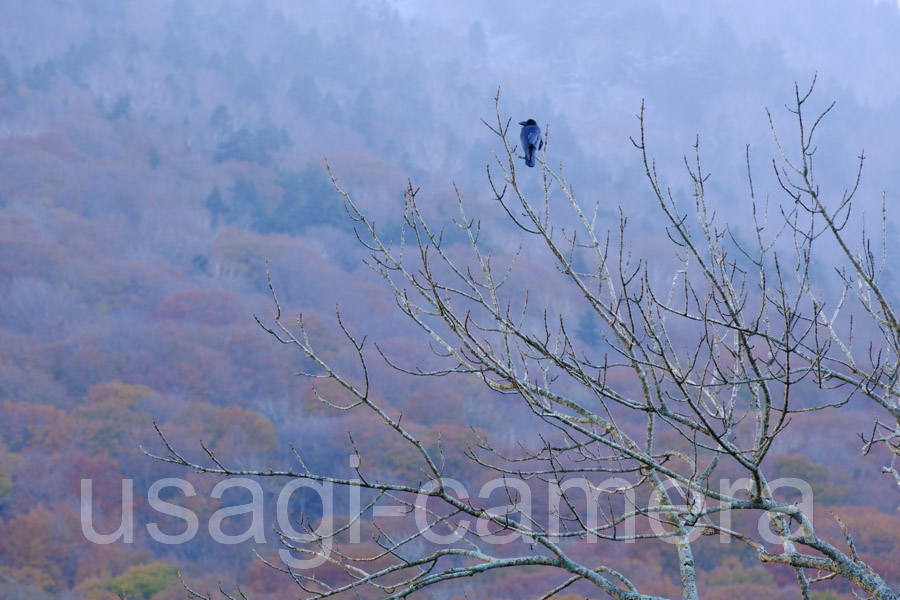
(529,158)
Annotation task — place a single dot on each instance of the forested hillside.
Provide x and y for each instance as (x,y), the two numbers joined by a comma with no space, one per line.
(155,157)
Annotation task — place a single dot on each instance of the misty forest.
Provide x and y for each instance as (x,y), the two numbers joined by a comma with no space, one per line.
(287,312)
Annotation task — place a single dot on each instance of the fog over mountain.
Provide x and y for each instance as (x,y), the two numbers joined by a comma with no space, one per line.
(156,156)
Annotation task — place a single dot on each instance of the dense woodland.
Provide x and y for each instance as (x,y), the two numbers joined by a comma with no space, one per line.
(154,157)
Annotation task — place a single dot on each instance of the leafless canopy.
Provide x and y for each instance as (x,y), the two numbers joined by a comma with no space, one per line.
(695,373)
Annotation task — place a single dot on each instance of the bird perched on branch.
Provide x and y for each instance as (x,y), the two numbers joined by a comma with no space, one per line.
(531,140)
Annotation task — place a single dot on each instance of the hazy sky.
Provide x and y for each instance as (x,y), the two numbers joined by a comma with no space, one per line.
(707,68)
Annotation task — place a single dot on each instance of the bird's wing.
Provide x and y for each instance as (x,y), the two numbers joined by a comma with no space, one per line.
(532,136)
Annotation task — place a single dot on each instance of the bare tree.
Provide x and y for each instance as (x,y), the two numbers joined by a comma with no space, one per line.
(693,375)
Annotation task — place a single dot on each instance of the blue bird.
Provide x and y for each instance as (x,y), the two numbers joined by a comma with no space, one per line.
(531,140)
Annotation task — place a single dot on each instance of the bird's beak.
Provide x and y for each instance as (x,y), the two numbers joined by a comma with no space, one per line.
(522,123)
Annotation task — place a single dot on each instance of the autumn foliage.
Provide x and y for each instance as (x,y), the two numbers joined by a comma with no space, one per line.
(138,213)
